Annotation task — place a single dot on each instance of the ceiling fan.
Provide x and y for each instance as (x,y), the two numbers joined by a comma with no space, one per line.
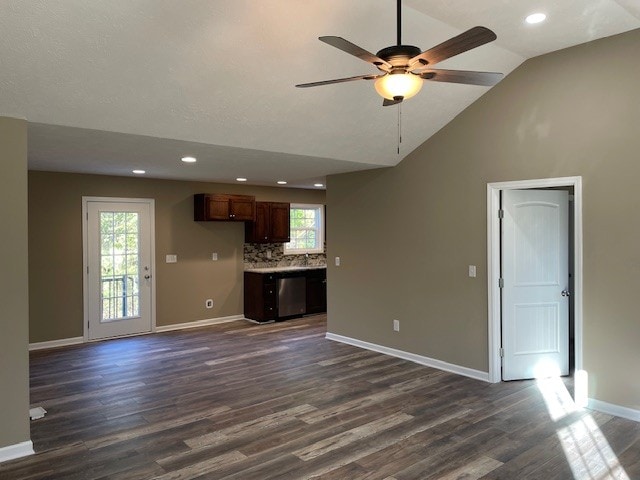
(404,67)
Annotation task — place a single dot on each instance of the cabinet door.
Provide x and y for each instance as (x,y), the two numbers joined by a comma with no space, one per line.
(217,207)
(260,228)
(210,207)
(242,208)
(316,291)
(280,224)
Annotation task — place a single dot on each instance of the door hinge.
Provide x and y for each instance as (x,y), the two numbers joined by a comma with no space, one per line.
(501,352)
(501,213)
(501,283)
(88,324)
(87,269)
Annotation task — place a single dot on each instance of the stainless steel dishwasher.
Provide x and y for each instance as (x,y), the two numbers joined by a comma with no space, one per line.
(292,295)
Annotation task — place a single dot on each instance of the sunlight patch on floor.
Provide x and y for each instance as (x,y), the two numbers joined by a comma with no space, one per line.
(558,400)
(585,447)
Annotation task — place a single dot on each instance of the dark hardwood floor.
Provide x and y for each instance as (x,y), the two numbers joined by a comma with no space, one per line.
(245,401)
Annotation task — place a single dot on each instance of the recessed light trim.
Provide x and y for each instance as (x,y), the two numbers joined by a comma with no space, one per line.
(139,172)
(318,185)
(241,179)
(189,159)
(281,182)
(535,18)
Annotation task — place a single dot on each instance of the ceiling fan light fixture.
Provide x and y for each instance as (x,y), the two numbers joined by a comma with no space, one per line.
(394,85)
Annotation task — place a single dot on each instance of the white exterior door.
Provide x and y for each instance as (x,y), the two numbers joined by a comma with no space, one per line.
(118,267)
(535,272)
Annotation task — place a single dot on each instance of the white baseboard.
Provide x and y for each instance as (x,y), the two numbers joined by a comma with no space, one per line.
(199,323)
(18,450)
(412,357)
(63,342)
(611,409)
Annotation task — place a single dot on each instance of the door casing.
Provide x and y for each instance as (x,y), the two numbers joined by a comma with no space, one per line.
(85,259)
(493,265)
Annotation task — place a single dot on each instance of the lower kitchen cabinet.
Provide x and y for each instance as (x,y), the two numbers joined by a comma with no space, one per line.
(316,291)
(260,296)
(263,298)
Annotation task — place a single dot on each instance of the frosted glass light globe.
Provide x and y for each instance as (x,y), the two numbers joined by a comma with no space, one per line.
(404,85)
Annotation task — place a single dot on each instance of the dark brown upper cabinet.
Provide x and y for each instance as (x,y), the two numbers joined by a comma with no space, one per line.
(271,226)
(222,206)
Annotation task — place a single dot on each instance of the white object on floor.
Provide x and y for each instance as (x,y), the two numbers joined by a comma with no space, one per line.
(36,413)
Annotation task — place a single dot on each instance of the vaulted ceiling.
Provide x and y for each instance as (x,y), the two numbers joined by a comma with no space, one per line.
(109,86)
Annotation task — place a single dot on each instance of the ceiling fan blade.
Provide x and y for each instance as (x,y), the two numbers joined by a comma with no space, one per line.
(468,40)
(486,79)
(339,80)
(387,103)
(353,49)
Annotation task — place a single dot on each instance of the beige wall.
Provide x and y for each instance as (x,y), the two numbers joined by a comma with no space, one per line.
(55,246)
(406,235)
(14,358)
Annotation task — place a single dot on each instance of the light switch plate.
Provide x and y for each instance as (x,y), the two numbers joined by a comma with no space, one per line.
(472,270)
(337,261)
(172,258)
(214,256)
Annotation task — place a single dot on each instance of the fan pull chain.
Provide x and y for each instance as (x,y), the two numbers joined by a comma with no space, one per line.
(399,126)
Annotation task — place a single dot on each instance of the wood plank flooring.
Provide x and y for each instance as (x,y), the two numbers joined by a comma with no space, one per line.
(279,401)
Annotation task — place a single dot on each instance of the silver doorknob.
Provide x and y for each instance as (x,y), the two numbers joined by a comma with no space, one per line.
(147,276)
(565,293)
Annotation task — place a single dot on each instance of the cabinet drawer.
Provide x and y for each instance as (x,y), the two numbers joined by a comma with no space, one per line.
(270,294)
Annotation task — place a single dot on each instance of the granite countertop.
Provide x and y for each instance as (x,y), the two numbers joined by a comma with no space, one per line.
(284,269)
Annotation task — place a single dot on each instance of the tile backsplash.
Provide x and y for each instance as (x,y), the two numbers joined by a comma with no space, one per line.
(256,255)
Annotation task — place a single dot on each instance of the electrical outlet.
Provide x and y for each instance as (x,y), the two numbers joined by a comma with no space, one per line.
(268,253)
(337,261)
(208,303)
(472,271)
(396,325)
(214,256)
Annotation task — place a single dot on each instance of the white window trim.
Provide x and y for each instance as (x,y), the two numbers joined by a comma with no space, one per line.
(320,230)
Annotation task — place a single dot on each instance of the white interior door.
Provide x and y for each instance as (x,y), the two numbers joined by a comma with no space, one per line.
(535,272)
(118,258)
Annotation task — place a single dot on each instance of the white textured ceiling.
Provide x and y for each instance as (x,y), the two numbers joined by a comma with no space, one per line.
(109,86)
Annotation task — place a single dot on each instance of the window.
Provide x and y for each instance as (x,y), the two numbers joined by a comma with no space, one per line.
(307,229)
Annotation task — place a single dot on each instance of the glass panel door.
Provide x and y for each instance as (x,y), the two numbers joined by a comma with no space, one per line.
(118,256)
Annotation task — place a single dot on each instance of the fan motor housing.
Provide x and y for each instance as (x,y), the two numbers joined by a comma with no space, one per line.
(399,55)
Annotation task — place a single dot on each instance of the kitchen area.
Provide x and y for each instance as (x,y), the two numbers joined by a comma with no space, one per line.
(283,278)
(279,293)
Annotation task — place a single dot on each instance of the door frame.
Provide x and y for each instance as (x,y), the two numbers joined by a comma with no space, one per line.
(85,257)
(493,264)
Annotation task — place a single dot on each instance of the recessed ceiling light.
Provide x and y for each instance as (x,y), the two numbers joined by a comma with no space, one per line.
(535,18)
(139,172)
(318,185)
(240,179)
(189,159)
(281,182)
